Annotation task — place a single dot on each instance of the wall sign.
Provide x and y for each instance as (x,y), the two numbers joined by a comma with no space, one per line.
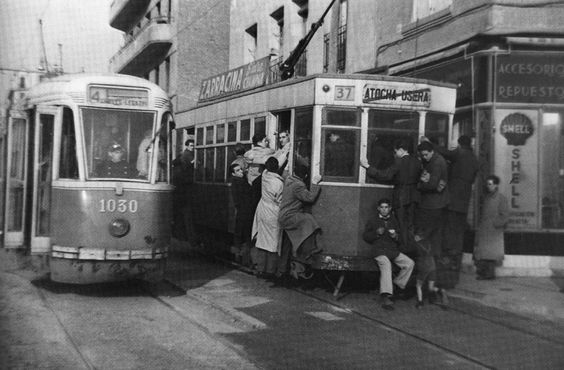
(516,163)
(531,78)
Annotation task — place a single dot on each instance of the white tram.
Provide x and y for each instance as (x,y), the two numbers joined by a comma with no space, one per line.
(367,112)
(88,179)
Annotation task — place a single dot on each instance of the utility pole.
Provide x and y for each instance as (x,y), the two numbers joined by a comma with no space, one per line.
(44,62)
(60,58)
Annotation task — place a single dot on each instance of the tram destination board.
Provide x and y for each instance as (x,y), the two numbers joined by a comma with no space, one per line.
(118,96)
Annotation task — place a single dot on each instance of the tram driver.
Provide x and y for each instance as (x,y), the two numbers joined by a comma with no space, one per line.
(115,164)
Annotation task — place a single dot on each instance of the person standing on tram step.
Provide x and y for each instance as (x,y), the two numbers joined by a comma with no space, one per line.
(115,165)
(425,268)
(432,184)
(257,156)
(144,154)
(404,173)
(183,179)
(244,212)
(489,247)
(265,223)
(239,152)
(300,227)
(382,231)
(463,166)
(285,146)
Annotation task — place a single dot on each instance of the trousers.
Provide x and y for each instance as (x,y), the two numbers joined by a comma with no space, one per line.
(385,265)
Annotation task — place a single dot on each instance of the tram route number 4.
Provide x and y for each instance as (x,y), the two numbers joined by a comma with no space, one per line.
(120,205)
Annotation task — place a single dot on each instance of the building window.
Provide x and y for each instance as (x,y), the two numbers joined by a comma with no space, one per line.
(552,170)
(342,37)
(277,39)
(424,8)
(250,44)
(326,53)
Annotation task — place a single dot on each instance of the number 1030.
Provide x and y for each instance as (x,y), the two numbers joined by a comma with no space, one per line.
(121,205)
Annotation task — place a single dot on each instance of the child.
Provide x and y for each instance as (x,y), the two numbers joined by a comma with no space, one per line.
(382,231)
(426,271)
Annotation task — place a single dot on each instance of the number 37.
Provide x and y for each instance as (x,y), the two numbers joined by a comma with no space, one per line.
(120,205)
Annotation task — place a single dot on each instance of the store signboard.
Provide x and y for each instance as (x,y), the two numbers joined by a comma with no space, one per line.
(516,163)
(528,78)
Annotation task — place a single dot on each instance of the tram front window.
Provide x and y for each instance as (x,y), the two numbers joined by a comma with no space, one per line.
(118,143)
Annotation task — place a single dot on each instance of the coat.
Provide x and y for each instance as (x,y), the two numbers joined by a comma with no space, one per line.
(489,236)
(256,158)
(265,223)
(463,168)
(298,224)
(431,198)
(383,244)
(243,201)
(404,173)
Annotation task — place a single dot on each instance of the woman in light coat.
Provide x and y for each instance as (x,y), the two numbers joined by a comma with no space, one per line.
(265,224)
(489,249)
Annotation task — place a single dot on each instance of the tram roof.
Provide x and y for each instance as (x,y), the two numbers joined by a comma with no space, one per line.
(73,86)
(355,76)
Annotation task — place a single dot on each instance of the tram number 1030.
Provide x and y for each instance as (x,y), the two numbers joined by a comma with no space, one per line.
(120,205)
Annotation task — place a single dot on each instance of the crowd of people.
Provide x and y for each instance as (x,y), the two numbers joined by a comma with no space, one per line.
(419,229)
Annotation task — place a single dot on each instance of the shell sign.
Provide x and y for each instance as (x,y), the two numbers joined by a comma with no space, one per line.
(516,128)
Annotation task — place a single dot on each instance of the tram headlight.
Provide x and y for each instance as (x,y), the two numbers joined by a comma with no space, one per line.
(119,227)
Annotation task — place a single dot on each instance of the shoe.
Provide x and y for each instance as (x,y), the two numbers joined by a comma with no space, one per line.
(387,303)
(419,304)
(444,298)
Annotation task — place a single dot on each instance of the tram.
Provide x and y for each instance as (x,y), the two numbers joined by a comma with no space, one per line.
(88,180)
(333,121)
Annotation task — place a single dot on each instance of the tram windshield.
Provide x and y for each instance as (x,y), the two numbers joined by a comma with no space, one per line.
(118,143)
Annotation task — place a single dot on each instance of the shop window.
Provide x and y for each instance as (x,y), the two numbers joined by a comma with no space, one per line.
(552,170)
(277,27)
(436,128)
(340,145)
(68,165)
(385,128)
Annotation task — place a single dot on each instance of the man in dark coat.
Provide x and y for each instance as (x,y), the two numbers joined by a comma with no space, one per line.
(115,166)
(244,212)
(404,174)
(299,226)
(463,167)
(434,195)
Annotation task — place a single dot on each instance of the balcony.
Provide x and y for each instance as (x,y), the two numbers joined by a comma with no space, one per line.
(145,49)
(124,13)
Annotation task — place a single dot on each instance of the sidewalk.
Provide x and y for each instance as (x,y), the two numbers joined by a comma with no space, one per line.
(542,297)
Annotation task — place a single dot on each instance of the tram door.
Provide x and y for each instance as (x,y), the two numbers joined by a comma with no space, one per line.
(45,119)
(16,181)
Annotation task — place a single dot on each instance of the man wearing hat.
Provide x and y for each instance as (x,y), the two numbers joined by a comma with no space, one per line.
(115,165)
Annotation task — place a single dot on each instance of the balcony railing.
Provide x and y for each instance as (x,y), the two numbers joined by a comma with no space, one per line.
(300,69)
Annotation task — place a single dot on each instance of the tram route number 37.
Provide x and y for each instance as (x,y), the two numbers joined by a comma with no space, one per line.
(120,205)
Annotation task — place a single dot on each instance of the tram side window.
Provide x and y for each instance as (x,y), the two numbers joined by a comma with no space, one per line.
(303,129)
(199,154)
(245,133)
(68,165)
(260,125)
(384,129)
(436,128)
(340,146)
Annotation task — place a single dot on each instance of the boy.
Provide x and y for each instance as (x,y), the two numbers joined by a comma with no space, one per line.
(426,270)
(382,232)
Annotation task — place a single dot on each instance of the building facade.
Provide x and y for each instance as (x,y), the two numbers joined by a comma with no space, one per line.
(507,57)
